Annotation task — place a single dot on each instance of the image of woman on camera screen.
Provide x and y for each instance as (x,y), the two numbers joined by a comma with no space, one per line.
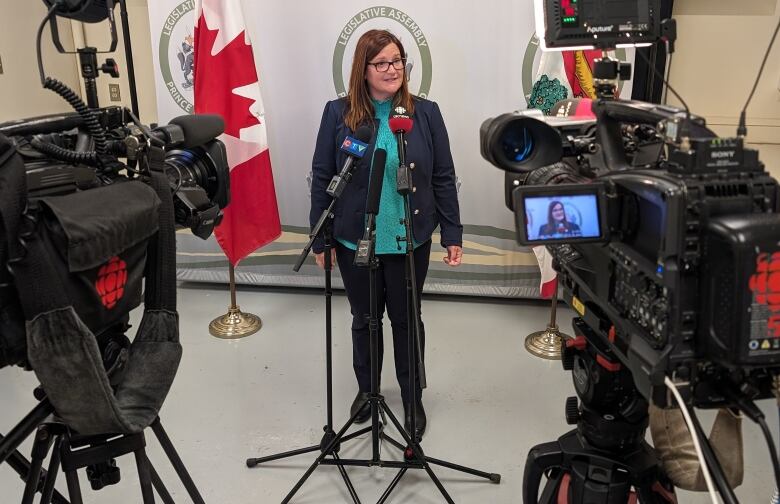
(558,226)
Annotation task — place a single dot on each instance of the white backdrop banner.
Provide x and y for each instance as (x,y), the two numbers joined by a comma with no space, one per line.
(477,60)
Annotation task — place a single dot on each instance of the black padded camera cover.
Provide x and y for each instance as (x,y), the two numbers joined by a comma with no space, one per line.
(98,239)
(76,263)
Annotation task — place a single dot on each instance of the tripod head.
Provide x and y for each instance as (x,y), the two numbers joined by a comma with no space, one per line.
(605,459)
(612,414)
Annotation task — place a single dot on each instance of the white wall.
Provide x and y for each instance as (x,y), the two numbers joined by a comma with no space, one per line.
(21,93)
(716,63)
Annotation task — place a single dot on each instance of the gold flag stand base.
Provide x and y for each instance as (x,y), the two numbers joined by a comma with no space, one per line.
(234,324)
(547,344)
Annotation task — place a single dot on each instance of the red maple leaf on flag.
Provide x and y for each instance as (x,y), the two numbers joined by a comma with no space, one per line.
(224,84)
(222,76)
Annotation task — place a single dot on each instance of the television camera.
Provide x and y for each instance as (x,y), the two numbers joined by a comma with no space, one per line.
(89,204)
(665,239)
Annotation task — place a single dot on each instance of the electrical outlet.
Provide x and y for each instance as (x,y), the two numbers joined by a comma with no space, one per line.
(113,91)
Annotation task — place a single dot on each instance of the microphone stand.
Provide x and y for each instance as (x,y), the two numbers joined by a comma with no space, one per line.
(414,458)
(329,444)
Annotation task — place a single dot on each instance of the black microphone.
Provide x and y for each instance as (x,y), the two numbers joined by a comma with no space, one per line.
(365,247)
(355,148)
(190,130)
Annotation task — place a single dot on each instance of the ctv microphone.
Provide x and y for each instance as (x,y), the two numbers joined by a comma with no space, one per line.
(401,124)
(355,148)
(365,247)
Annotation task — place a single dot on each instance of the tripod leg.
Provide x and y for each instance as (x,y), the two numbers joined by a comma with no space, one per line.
(158,485)
(252,462)
(51,475)
(11,441)
(347,481)
(392,486)
(178,465)
(40,449)
(495,478)
(74,490)
(418,454)
(142,462)
(320,458)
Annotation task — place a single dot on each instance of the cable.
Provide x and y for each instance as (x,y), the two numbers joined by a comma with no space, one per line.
(666,83)
(692,429)
(38,38)
(742,128)
(668,77)
(772,448)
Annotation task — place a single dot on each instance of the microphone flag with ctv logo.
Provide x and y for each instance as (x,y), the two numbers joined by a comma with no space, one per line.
(226,83)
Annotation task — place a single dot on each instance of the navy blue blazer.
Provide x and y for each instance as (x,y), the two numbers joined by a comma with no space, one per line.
(434,200)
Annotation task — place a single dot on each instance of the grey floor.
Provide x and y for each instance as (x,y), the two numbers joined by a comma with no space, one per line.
(488,402)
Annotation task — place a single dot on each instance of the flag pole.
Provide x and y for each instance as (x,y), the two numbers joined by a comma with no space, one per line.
(234,324)
(547,344)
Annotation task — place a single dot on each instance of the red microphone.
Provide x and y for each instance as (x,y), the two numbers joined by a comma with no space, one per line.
(400,121)
(573,107)
(401,124)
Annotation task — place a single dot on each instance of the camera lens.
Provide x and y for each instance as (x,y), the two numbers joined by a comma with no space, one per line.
(205,167)
(516,141)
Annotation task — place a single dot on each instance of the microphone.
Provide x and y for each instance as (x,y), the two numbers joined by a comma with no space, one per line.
(400,121)
(355,148)
(365,247)
(573,107)
(191,130)
(401,124)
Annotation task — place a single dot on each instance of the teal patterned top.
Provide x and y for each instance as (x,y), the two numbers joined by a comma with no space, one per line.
(391,204)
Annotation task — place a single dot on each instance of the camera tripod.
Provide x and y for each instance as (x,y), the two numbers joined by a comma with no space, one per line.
(95,453)
(606,459)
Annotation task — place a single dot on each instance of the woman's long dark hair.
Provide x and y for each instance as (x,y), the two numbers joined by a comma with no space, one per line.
(359,108)
(551,224)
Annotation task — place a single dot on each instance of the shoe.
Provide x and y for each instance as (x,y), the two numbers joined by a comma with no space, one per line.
(420,422)
(365,413)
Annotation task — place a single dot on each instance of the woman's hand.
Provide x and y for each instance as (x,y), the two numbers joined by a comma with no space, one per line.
(320,258)
(454,255)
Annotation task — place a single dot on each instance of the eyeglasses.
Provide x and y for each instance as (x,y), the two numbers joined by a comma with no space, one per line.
(384,66)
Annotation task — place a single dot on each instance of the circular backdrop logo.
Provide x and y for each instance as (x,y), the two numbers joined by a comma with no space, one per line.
(532,58)
(177,54)
(375,17)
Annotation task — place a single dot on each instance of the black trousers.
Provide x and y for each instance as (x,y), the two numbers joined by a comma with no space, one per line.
(391,293)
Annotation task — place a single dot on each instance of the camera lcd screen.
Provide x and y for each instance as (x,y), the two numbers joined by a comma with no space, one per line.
(562,217)
(564,213)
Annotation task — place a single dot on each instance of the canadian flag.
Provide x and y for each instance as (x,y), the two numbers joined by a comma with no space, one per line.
(226,83)
(549,279)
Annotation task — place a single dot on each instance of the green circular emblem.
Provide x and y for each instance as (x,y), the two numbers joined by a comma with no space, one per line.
(532,50)
(397,16)
(178,37)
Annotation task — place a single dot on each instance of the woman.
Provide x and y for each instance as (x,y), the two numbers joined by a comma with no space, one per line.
(378,85)
(557,224)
